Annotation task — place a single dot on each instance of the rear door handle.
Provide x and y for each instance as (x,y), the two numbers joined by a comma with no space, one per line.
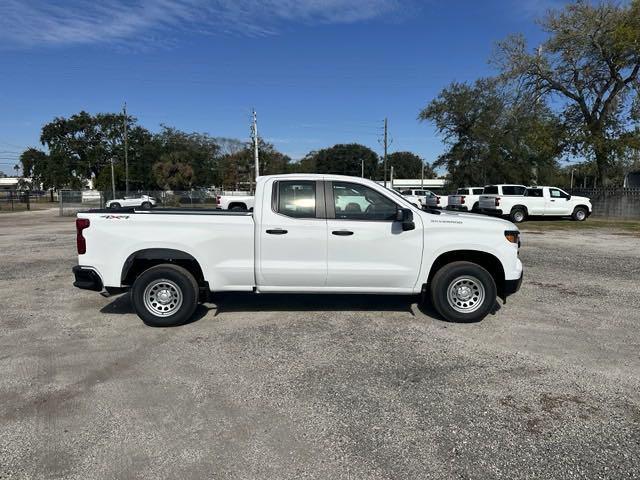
(342,233)
(277,231)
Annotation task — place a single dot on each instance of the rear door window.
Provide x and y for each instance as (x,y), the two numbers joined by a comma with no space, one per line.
(491,190)
(534,192)
(297,199)
(478,191)
(512,190)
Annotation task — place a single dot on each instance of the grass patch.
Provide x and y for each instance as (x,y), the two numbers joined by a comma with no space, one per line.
(592,223)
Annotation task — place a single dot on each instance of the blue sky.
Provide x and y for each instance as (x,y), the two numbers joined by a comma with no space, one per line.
(318,72)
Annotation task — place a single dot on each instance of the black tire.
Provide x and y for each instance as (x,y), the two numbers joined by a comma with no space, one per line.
(475,208)
(146,205)
(580,214)
(238,208)
(180,279)
(456,273)
(518,215)
(114,205)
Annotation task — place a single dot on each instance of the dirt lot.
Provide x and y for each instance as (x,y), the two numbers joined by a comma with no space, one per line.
(322,387)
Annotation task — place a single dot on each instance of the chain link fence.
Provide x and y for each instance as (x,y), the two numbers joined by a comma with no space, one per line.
(74,201)
(17,201)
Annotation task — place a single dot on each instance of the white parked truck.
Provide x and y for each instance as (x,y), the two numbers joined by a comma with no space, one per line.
(235,202)
(307,234)
(466,199)
(437,201)
(519,202)
(417,197)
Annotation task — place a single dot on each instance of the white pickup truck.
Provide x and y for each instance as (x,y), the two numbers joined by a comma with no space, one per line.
(466,199)
(519,202)
(235,202)
(307,234)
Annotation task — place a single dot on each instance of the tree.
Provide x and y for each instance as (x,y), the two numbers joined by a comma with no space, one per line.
(198,150)
(341,159)
(494,134)
(591,62)
(409,165)
(173,172)
(238,166)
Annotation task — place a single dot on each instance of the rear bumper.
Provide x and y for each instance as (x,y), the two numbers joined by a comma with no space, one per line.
(87,279)
(458,208)
(491,211)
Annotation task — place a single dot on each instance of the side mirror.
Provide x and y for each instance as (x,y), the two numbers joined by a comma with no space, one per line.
(405,216)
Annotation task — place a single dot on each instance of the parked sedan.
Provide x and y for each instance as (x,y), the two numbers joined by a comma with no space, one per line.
(142,201)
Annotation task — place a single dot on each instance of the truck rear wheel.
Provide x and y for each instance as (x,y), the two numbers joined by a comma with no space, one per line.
(463,292)
(518,215)
(165,295)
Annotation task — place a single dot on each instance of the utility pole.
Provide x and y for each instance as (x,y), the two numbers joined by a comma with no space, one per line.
(385,150)
(254,134)
(391,177)
(362,168)
(126,151)
(113,181)
(572,170)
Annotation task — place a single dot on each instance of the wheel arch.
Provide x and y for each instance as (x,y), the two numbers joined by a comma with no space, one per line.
(141,260)
(487,260)
(519,206)
(237,204)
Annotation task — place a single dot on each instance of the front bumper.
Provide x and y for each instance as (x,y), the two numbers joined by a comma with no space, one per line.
(512,286)
(87,279)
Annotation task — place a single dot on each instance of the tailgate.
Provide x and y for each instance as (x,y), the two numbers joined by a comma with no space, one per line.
(455,200)
(487,201)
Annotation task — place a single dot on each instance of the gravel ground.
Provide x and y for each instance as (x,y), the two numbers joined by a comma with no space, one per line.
(290,387)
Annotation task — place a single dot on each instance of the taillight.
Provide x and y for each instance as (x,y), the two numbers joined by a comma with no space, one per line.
(81,243)
(218,199)
(437,200)
(462,199)
(497,201)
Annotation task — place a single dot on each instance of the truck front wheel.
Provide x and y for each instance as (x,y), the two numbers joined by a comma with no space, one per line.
(579,214)
(165,295)
(463,292)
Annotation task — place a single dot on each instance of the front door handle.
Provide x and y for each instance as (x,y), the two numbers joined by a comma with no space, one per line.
(277,231)
(342,233)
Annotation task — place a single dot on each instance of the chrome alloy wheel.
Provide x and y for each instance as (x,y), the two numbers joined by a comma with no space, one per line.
(465,294)
(162,297)
(580,215)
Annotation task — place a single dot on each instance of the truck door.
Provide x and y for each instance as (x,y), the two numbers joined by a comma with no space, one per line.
(367,248)
(558,202)
(293,235)
(535,201)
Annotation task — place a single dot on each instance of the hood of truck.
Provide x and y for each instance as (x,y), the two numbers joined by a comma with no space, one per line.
(471,220)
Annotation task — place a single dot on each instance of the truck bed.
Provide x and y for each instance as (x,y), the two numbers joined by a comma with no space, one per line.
(223,241)
(169,211)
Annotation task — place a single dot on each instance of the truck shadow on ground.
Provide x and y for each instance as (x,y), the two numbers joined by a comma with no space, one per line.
(221,303)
